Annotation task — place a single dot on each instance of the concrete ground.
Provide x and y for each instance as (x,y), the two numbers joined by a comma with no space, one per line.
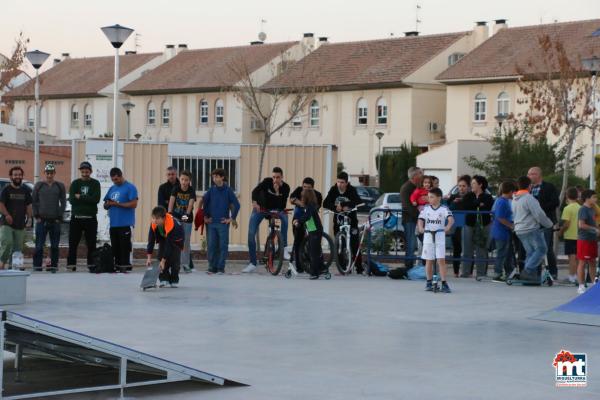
(347,338)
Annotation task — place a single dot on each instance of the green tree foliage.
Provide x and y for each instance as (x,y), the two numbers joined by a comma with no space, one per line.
(514,152)
(394,167)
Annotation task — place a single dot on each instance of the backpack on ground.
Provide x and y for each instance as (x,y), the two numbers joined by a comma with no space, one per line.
(104,261)
(398,273)
(378,269)
(417,272)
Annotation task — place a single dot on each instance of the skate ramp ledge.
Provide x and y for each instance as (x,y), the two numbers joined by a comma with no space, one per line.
(41,350)
(582,310)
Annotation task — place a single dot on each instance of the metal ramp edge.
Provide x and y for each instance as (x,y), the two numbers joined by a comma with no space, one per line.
(174,372)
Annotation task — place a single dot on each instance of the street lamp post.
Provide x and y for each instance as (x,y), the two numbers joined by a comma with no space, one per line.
(128,107)
(500,118)
(116,35)
(593,65)
(36,58)
(379,137)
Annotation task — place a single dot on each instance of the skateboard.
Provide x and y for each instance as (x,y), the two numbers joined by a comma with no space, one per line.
(151,277)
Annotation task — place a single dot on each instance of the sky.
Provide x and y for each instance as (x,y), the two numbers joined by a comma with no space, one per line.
(73,26)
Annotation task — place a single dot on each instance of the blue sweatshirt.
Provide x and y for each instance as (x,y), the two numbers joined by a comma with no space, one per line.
(217,203)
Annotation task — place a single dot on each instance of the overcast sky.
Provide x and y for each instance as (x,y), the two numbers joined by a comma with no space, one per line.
(72,26)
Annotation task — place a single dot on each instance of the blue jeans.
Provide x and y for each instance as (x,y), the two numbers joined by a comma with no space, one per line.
(255,220)
(535,248)
(42,229)
(503,260)
(218,243)
(411,243)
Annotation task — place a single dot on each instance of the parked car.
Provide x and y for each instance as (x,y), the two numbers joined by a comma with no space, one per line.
(66,216)
(368,195)
(389,218)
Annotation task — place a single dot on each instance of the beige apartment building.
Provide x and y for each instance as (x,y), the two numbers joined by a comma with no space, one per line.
(483,85)
(77,96)
(373,86)
(189,98)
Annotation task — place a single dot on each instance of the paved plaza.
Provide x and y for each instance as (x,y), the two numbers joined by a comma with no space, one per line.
(347,338)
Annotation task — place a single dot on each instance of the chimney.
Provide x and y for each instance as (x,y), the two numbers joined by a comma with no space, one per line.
(308,41)
(499,24)
(480,33)
(64,56)
(256,42)
(55,62)
(181,47)
(411,33)
(130,52)
(169,52)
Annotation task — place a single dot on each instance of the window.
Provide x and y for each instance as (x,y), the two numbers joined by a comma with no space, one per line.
(362,112)
(480,107)
(30,117)
(503,103)
(256,124)
(74,116)
(201,168)
(43,117)
(219,112)
(204,112)
(314,114)
(454,58)
(297,122)
(87,116)
(151,120)
(381,112)
(166,114)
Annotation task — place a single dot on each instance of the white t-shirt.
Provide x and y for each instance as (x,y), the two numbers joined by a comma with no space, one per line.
(435,218)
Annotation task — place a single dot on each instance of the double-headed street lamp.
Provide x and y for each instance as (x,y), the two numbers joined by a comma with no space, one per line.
(593,66)
(116,35)
(36,58)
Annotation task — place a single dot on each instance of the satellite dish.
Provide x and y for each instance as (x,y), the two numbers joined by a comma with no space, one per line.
(262,36)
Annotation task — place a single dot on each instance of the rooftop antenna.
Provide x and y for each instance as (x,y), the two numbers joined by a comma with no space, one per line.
(262,36)
(136,42)
(417,12)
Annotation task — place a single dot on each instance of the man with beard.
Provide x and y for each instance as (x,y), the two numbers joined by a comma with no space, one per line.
(16,212)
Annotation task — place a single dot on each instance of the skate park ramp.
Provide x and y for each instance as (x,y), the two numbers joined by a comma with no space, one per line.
(40,359)
(582,310)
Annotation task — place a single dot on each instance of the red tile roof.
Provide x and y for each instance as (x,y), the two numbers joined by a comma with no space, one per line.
(204,69)
(80,77)
(364,64)
(511,48)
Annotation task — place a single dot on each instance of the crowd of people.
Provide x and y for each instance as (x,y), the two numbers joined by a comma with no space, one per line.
(519,223)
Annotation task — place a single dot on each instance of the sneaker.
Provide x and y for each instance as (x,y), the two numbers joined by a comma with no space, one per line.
(174,285)
(250,268)
(220,273)
(446,288)
(163,284)
(286,254)
(38,269)
(72,268)
(581,289)
(187,270)
(429,287)
(498,278)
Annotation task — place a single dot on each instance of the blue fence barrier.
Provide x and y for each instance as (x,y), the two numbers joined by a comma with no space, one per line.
(385,237)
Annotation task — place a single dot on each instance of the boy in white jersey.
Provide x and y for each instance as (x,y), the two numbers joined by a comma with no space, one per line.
(432,221)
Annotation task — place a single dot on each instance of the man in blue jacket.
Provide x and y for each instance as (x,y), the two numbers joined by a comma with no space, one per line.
(220,209)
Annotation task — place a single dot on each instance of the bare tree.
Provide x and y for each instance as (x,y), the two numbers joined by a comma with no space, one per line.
(265,106)
(560,98)
(10,67)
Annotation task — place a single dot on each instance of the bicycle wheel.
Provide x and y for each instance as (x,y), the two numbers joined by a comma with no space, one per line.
(344,256)
(327,248)
(274,253)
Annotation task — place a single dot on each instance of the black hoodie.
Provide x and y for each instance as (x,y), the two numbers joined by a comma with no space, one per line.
(264,195)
